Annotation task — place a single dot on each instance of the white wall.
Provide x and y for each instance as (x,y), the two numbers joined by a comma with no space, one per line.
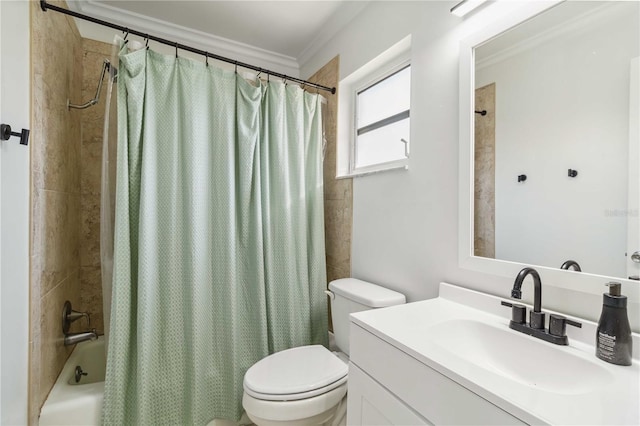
(14,213)
(405,223)
(577,84)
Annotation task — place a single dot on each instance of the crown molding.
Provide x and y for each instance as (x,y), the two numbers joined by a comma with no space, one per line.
(338,21)
(573,26)
(199,39)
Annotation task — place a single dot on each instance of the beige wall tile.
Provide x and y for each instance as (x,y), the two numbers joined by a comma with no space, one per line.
(484,174)
(91,295)
(94,53)
(338,198)
(90,232)
(56,55)
(53,353)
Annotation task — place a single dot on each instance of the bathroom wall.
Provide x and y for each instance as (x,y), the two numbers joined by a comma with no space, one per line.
(405,223)
(15,101)
(56,60)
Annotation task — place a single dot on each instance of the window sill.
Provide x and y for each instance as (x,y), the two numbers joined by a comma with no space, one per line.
(378,168)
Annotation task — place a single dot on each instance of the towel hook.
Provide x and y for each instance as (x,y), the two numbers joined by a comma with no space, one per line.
(6,133)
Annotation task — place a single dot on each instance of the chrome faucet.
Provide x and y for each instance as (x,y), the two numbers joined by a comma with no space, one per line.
(571,264)
(536,326)
(73,338)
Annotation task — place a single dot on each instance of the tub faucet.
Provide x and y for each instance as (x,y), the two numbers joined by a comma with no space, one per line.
(569,264)
(73,338)
(536,327)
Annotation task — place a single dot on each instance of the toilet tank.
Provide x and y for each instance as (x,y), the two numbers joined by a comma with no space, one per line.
(349,295)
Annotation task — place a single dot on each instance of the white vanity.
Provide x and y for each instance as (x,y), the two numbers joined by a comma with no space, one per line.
(454,360)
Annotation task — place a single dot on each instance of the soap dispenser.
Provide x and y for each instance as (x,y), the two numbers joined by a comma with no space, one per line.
(613,337)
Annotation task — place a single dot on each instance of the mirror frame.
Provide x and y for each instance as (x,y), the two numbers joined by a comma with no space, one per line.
(499,20)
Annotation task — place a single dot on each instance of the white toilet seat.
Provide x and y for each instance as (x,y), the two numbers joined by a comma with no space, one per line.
(295,374)
(296,396)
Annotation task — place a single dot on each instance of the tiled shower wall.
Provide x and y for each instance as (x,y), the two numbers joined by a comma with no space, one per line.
(338,193)
(56,67)
(94,54)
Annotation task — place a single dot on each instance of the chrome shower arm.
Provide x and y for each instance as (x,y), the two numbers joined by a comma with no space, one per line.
(106,65)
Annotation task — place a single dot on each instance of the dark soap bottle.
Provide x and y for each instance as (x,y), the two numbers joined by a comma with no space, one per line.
(613,338)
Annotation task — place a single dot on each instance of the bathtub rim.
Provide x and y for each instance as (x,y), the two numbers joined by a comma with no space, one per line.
(62,391)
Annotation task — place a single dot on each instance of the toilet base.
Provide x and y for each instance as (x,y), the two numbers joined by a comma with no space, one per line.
(334,417)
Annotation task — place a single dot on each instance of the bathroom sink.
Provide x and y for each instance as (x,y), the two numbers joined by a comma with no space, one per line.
(464,336)
(513,355)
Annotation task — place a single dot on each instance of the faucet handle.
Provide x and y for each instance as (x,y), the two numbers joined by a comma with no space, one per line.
(69,316)
(558,325)
(536,319)
(518,311)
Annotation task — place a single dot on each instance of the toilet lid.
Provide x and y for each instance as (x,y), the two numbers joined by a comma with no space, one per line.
(295,371)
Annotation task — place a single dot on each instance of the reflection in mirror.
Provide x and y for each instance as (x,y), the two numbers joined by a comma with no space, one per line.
(560,93)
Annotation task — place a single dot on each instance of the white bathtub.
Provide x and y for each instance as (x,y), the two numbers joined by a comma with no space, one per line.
(71,403)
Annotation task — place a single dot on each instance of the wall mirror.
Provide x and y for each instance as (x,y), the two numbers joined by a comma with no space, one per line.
(549,141)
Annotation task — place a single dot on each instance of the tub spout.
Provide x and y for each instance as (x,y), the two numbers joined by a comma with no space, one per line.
(73,338)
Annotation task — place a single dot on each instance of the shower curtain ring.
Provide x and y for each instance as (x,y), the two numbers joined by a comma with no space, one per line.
(146,44)
(206,58)
(176,49)
(236,65)
(126,34)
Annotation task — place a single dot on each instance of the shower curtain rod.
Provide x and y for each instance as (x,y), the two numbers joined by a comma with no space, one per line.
(44,6)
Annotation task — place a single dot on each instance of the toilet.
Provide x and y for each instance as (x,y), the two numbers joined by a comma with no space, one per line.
(307,385)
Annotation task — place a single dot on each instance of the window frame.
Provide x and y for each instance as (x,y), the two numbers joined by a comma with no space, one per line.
(374,69)
(371,79)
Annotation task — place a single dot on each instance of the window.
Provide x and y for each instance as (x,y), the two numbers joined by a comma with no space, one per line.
(383,120)
(374,114)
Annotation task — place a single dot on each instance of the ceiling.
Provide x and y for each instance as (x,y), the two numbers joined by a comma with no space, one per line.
(283,27)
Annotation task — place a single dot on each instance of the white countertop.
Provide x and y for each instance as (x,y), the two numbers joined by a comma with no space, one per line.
(409,327)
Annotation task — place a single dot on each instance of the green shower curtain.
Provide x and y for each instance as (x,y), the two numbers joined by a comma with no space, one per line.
(219,237)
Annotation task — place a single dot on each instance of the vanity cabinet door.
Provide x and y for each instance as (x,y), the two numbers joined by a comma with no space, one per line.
(372,405)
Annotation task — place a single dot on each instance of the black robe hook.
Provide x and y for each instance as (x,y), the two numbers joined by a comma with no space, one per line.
(6,133)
